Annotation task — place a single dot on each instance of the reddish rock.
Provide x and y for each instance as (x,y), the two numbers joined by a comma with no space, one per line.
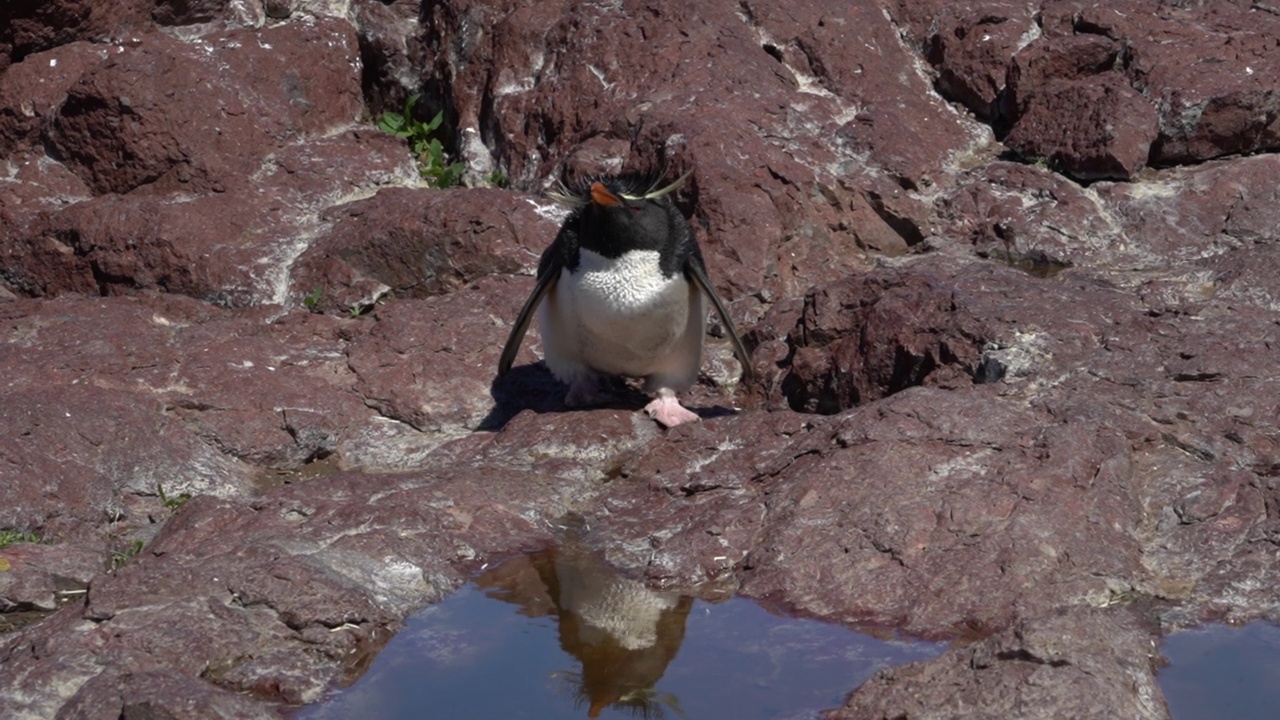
(390,51)
(1066,104)
(1080,58)
(1022,671)
(970,45)
(1033,219)
(160,693)
(1111,140)
(1054,409)
(36,576)
(341,599)
(35,25)
(188,12)
(430,363)
(122,126)
(31,91)
(230,248)
(1205,68)
(1189,214)
(419,243)
(871,336)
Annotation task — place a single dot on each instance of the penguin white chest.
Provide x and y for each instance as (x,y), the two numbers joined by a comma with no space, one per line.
(632,285)
(626,309)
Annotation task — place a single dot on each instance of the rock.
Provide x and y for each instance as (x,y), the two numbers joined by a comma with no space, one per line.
(865,338)
(39,577)
(506,84)
(31,91)
(421,243)
(188,12)
(430,363)
(1204,68)
(292,613)
(390,50)
(1052,83)
(249,400)
(1201,67)
(119,129)
(35,25)
(1023,671)
(1111,143)
(970,45)
(225,247)
(161,693)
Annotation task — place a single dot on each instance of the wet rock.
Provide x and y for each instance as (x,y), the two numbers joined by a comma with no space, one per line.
(1024,672)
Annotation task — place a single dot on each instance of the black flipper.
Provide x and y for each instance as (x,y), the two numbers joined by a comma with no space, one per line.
(696,271)
(548,275)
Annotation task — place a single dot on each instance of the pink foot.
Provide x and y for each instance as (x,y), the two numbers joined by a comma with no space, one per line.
(669,412)
(585,392)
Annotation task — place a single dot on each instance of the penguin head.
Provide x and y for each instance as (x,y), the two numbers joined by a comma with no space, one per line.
(614,223)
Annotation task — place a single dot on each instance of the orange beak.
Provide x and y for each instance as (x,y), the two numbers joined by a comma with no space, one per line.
(600,195)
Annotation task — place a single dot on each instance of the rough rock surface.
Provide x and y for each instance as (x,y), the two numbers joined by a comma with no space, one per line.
(248,403)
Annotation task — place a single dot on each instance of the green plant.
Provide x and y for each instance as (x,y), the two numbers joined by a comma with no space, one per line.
(120,557)
(497,179)
(172,502)
(433,165)
(11,537)
(312,299)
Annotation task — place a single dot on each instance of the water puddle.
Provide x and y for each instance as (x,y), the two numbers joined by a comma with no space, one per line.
(1219,672)
(557,634)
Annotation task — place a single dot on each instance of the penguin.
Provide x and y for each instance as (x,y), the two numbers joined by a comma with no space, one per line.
(621,291)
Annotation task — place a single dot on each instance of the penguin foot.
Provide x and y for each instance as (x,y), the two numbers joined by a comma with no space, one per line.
(669,412)
(585,392)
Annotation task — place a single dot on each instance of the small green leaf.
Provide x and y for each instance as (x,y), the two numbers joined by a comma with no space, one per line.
(391,122)
(435,122)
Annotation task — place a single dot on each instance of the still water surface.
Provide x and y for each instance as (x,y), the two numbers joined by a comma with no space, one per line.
(1223,673)
(556,635)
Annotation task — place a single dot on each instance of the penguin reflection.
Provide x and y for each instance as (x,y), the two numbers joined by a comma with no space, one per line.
(622,632)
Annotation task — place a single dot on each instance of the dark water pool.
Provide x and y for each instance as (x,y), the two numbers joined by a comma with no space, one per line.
(557,635)
(1223,673)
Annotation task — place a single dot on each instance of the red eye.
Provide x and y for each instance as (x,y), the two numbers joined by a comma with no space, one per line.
(635,209)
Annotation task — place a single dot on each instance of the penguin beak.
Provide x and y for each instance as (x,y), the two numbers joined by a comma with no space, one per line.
(600,195)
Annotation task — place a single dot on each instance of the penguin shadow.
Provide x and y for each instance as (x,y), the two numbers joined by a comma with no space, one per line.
(533,387)
(621,633)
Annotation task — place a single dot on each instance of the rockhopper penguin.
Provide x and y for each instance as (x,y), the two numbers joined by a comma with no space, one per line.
(620,292)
